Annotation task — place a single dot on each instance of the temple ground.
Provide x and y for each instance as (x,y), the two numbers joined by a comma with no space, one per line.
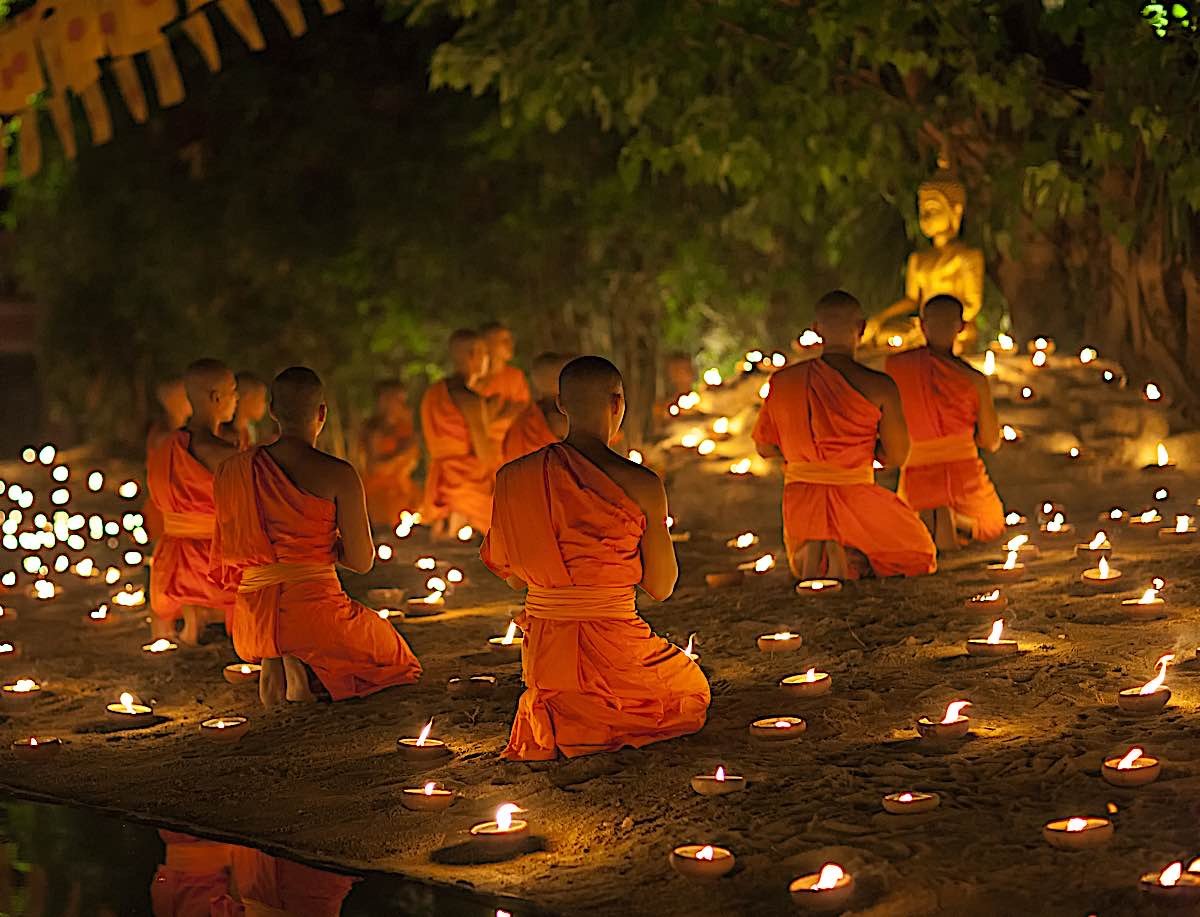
(324,782)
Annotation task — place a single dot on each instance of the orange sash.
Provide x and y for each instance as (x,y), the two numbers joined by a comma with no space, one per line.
(824,473)
(189,525)
(958,447)
(256,578)
(582,603)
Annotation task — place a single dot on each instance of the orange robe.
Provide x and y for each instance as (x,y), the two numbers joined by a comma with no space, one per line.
(943,468)
(597,678)
(510,385)
(827,433)
(152,519)
(388,481)
(182,490)
(275,545)
(270,886)
(528,433)
(195,872)
(455,480)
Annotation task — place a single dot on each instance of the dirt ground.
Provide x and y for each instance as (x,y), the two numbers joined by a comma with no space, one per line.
(324,782)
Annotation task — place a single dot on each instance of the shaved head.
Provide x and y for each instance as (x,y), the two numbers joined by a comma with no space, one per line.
(297,395)
(942,321)
(249,382)
(586,382)
(468,353)
(211,389)
(172,397)
(546,369)
(838,318)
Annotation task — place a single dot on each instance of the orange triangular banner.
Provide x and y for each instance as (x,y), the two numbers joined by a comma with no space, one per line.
(241,17)
(130,84)
(95,107)
(60,114)
(199,30)
(293,16)
(30,143)
(167,81)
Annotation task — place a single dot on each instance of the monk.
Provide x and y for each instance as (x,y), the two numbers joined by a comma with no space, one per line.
(194,872)
(244,430)
(389,445)
(828,418)
(541,423)
(180,479)
(462,454)
(174,411)
(286,514)
(503,386)
(581,527)
(270,886)
(951,416)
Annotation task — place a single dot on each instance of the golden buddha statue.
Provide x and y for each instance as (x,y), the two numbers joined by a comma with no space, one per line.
(950,266)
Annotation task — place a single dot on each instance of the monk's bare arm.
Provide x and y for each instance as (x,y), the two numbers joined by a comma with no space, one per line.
(515,582)
(474,409)
(893,430)
(357,549)
(660,568)
(987,426)
(768,450)
(211,451)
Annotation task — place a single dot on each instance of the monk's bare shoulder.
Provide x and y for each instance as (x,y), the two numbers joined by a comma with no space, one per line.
(642,485)
(878,388)
(211,450)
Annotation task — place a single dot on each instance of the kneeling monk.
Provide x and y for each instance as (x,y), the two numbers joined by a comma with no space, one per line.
(582,527)
(286,513)
(825,418)
(541,423)
(179,473)
(951,415)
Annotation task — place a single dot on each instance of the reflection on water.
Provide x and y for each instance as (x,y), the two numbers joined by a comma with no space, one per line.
(64,862)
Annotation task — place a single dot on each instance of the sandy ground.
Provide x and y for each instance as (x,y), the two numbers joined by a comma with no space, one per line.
(324,781)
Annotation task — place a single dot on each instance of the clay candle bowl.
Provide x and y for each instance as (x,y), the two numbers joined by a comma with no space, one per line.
(812,588)
(422,748)
(1145,523)
(988,601)
(1008,572)
(1101,578)
(1078,833)
(225,728)
(725,579)
(829,890)
(1148,603)
(1150,697)
(37,748)
(1135,768)
(159,646)
(811,684)
(782,642)
(10,650)
(992,645)
(474,686)
(504,832)
(718,784)
(742,541)
(1026,549)
(99,616)
(432,797)
(508,645)
(913,803)
(696,862)
(778,728)
(1095,549)
(1057,527)
(1183,532)
(951,726)
(242,673)
(1172,885)
(426,607)
(21,693)
(129,712)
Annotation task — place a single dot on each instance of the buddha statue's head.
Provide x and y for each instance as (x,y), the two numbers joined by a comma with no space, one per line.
(940,203)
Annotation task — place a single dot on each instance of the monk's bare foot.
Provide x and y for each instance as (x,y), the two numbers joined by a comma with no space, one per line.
(835,561)
(298,691)
(811,557)
(193,624)
(944,534)
(930,521)
(161,628)
(272,683)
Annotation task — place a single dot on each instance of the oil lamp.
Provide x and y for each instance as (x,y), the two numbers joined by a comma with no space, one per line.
(718,783)
(242,673)
(128,711)
(778,728)
(951,726)
(701,862)
(1025,548)
(1172,885)
(510,644)
(1078,833)
(1101,578)
(422,748)
(829,890)
(37,748)
(1134,768)
(1162,460)
(1183,532)
(814,588)
(1148,603)
(910,803)
(811,684)
(742,541)
(21,692)
(1150,697)
(225,728)
(992,645)
(1009,571)
(988,601)
(474,686)
(159,647)
(432,797)
(1098,547)
(504,832)
(782,642)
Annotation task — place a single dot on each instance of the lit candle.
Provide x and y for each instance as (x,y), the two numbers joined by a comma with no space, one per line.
(813,588)
(760,565)
(1087,355)
(510,644)
(503,832)
(426,563)
(1057,525)
(242,673)
(1183,531)
(225,728)
(23,691)
(782,642)
(910,803)
(993,645)
(953,725)
(466,533)
(740,467)
(99,616)
(989,363)
(689,650)
(1152,392)
(161,645)
(422,748)
(829,890)
(1025,548)
(432,797)
(1148,603)
(126,710)
(1008,571)
(988,601)
(778,728)
(37,748)
(1078,833)
(811,684)
(1162,460)
(718,783)
(1101,578)
(473,686)
(1095,549)
(130,597)
(1134,768)
(742,541)
(701,862)
(1173,885)
(1011,434)
(1153,695)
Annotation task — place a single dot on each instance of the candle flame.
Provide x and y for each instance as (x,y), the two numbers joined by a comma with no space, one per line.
(782,635)
(1012,519)
(831,875)
(1148,516)
(1163,457)
(810,675)
(504,816)
(1076,824)
(1153,393)
(161,645)
(435,584)
(510,634)
(1055,524)
(1148,596)
(1098,542)
(1116,513)
(705,852)
(1127,762)
(32,742)
(744,540)
(1010,562)
(429,788)
(1171,874)
(425,733)
(764,563)
(993,596)
(989,364)
(741,466)
(127,702)
(1105,573)
(719,776)
(691,642)
(1157,681)
(782,724)
(466,533)
(246,670)
(24,685)
(1016,542)
(721,426)
(997,629)
(1009,433)
(1183,524)
(906,797)
(1005,341)
(953,711)
(433,598)
(1039,358)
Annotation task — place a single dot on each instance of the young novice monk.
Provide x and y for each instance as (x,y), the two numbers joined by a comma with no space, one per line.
(542,423)
(504,387)
(391,451)
(951,416)
(286,514)
(828,419)
(581,527)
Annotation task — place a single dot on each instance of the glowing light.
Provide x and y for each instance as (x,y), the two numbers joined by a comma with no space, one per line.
(721,426)
(429,788)
(454,575)
(43,589)
(510,634)
(1183,524)
(1010,562)
(741,466)
(1026,392)
(100,614)
(831,875)
(635,456)
(126,702)
(1157,681)
(424,733)
(691,439)
(895,341)
(161,645)
(426,563)
(706,447)
(778,360)
(46,454)
(384,552)
(719,776)
(809,338)
(435,584)
(1087,355)
(712,376)
(1005,341)
(1012,519)
(466,533)
(1170,875)
(1100,541)
(95,481)
(954,710)
(60,473)
(1040,344)
(745,540)
(687,650)
(24,686)
(1152,392)
(504,816)
(997,630)
(764,563)
(1148,597)
(1076,824)
(764,390)
(29,455)
(1016,543)
(1102,566)
(754,356)
(128,490)
(1163,458)
(1161,494)
(1039,358)
(1108,375)
(989,363)
(705,852)
(1073,452)
(1127,762)
(993,596)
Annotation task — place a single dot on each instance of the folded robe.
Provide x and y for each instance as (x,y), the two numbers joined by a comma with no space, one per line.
(455,480)
(195,872)
(827,432)
(528,433)
(510,385)
(274,544)
(388,482)
(182,490)
(944,469)
(597,678)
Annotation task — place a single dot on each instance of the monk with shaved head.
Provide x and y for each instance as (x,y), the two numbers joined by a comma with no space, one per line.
(174,409)
(580,528)
(287,515)
(828,419)
(391,451)
(462,452)
(244,430)
(504,387)
(951,416)
(180,475)
(541,423)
